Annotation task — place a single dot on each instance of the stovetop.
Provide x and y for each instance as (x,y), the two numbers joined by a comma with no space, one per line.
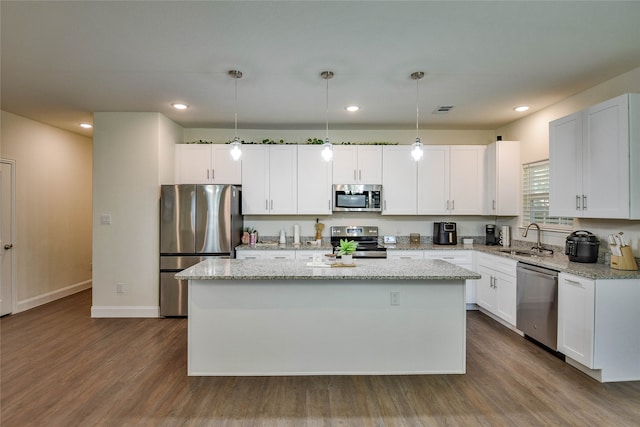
(365,236)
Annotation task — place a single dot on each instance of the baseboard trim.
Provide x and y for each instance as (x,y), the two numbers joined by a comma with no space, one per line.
(124,311)
(52,296)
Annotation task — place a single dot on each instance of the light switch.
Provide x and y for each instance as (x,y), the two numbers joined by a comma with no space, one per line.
(105,219)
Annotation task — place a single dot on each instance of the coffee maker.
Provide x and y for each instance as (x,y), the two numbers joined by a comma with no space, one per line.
(444,233)
(491,237)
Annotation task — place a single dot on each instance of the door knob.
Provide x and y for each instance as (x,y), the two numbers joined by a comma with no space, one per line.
(8,246)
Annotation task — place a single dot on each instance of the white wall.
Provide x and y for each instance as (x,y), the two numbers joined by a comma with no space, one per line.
(533,133)
(133,156)
(53,209)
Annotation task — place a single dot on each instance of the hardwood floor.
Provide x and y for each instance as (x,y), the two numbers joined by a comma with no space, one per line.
(59,367)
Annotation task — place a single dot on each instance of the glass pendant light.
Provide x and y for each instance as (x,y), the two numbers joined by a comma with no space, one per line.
(416,149)
(327,150)
(236,151)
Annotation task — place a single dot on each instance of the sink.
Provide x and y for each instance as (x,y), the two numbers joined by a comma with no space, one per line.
(528,252)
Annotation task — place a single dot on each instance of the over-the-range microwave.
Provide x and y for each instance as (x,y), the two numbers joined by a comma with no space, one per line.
(357,198)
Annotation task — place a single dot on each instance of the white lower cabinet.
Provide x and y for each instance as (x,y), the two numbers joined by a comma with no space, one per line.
(496,290)
(249,254)
(462,259)
(308,255)
(598,326)
(397,254)
(576,311)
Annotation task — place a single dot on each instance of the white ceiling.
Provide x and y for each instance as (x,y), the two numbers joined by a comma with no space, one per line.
(62,61)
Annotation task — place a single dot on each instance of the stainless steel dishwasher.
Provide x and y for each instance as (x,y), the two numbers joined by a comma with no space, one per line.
(537,303)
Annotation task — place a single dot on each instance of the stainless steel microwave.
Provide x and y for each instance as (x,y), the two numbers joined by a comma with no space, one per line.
(357,198)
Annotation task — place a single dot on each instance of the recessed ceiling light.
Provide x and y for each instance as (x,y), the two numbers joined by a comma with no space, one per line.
(86,125)
(179,106)
(521,108)
(352,108)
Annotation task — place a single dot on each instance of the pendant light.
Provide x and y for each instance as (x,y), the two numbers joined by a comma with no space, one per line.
(327,150)
(416,149)
(236,151)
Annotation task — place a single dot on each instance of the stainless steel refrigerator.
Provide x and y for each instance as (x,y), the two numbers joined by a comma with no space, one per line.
(196,222)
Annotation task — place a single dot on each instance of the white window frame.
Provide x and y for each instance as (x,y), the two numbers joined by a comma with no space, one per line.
(535,198)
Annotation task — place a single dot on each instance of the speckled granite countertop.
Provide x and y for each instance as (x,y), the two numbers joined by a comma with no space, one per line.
(365,269)
(558,261)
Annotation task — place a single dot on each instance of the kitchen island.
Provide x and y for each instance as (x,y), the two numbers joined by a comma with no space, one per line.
(283,317)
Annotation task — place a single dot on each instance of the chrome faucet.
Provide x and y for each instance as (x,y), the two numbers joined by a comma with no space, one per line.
(526,230)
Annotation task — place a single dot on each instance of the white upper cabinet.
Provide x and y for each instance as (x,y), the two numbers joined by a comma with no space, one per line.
(594,157)
(314,181)
(433,180)
(503,178)
(451,180)
(269,179)
(206,164)
(466,178)
(399,181)
(357,164)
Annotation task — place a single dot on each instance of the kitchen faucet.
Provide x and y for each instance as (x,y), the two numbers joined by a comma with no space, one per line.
(526,230)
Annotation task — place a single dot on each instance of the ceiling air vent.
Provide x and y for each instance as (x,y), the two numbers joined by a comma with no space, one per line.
(443,109)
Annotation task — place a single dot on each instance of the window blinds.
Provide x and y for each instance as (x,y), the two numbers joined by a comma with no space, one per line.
(535,197)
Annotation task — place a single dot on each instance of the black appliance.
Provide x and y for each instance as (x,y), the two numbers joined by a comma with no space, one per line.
(491,238)
(365,236)
(445,233)
(582,246)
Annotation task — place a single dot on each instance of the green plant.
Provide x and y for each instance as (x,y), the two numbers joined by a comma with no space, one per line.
(347,247)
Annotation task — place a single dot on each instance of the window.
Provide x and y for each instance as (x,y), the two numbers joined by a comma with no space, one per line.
(535,197)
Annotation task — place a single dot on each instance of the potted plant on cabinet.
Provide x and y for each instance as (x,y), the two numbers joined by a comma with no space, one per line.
(347,248)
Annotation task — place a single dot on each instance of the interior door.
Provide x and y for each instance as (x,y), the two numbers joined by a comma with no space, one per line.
(6,236)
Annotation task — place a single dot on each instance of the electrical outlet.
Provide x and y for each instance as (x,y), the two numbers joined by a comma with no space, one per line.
(395,298)
(120,288)
(105,219)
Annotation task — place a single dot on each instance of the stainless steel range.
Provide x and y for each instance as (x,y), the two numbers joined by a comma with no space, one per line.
(365,236)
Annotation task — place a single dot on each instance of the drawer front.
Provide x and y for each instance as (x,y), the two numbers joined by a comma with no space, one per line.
(454,257)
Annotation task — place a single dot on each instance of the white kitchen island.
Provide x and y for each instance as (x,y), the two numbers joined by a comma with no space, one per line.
(281,317)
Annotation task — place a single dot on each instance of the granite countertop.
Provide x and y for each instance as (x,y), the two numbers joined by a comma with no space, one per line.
(365,269)
(558,261)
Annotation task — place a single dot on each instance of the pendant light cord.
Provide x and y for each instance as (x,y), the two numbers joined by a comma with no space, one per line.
(327,108)
(417,108)
(236,108)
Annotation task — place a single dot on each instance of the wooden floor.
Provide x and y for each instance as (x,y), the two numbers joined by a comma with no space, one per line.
(62,368)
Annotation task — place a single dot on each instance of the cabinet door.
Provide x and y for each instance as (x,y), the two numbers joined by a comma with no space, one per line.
(308,255)
(249,254)
(369,164)
(486,296)
(491,178)
(255,180)
(283,183)
(565,166)
(314,181)
(224,170)
(396,254)
(279,254)
(345,164)
(399,181)
(505,287)
(193,164)
(466,179)
(576,317)
(433,180)
(605,157)
(502,176)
